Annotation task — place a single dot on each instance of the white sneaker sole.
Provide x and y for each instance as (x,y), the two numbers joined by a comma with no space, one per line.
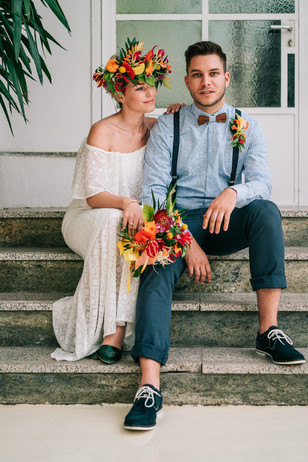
(158,415)
(281,363)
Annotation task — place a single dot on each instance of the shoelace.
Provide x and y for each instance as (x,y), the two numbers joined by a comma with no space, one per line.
(277,334)
(148,394)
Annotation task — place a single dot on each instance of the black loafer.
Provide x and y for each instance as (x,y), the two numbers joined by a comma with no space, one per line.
(109,354)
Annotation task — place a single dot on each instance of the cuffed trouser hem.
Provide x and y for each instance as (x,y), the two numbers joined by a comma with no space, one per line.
(274,281)
(141,350)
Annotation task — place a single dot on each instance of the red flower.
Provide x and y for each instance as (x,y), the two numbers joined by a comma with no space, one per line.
(129,70)
(152,249)
(163,221)
(144,236)
(183,238)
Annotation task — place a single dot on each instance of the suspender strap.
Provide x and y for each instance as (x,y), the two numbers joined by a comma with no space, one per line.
(176,144)
(234,156)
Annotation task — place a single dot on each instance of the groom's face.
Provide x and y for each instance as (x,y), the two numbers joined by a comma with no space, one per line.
(207,82)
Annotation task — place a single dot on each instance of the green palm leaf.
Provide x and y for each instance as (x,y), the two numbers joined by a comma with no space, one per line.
(23,39)
(17,21)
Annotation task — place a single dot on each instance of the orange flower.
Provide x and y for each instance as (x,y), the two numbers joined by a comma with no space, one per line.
(150,226)
(112,66)
(149,69)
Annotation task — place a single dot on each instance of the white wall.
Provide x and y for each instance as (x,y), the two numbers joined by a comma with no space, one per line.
(35,181)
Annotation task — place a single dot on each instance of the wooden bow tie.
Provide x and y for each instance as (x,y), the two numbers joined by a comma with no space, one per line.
(219,118)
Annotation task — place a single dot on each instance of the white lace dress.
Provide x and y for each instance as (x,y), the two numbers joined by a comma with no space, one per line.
(100,302)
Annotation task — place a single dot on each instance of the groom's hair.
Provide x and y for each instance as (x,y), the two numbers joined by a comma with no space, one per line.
(205,48)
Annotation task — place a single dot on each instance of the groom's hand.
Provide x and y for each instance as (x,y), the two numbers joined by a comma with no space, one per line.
(198,263)
(220,211)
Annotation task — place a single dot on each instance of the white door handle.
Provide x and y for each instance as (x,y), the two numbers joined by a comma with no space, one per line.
(286,27)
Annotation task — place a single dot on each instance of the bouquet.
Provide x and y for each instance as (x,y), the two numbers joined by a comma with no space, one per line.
(163,238)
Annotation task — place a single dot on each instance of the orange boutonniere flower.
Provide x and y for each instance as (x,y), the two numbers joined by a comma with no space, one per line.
(237,127)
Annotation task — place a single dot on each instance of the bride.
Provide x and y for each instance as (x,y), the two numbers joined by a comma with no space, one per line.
(106,190)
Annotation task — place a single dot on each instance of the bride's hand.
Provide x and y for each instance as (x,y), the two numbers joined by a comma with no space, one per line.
(174,107)
(132,218)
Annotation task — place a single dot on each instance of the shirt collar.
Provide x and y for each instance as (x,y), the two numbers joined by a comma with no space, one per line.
(196,111)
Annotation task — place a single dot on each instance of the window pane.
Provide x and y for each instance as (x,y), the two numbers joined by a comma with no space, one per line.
(174,37)
(253,60)
(159,6)
(291,80)
(252,6)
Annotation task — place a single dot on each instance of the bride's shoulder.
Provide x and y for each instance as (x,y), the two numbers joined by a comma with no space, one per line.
(100,134)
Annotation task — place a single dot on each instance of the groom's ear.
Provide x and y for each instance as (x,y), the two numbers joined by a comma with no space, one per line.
(227,78)
(186,81)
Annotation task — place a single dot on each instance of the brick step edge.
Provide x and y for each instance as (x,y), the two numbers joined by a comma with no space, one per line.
(290,302)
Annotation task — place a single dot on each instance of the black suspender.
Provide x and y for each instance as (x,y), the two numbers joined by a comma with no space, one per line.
(234,156)
(176,144)
(175,151)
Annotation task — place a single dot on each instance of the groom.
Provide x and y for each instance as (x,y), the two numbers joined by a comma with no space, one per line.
(223,217)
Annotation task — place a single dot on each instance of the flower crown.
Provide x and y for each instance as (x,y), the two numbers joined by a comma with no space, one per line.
(130,66)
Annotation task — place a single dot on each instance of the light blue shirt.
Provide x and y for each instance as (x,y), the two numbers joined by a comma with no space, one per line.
(205,160)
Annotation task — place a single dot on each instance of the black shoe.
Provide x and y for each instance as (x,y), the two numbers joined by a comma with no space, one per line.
(148,404)
(109,354)
(278,346)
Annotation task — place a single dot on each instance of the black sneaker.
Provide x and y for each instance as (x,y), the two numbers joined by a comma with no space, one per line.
(147,405)
(278,346)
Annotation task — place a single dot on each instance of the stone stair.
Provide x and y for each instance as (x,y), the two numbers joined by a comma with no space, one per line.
(213,328)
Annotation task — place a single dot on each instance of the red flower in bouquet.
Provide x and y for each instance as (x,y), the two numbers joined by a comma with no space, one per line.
(144,236)
(183,239)
(163,221)
(152,249)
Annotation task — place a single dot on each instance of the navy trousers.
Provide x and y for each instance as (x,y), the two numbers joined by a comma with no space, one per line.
(256,226)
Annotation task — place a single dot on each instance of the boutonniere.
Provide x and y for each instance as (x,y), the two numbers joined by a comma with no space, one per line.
(237,127)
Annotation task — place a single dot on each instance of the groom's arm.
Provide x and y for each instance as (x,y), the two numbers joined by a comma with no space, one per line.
(157,161)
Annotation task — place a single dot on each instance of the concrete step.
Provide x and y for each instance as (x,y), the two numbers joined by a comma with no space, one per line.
(212,320)
(41,227)
(28,227)
(59,269)
(205,376)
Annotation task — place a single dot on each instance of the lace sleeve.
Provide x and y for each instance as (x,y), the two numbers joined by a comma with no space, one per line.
(92,172)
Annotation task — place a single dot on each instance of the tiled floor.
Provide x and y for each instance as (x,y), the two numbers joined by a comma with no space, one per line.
(45,433)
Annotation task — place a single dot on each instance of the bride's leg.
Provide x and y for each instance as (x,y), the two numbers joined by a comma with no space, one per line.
(115,339)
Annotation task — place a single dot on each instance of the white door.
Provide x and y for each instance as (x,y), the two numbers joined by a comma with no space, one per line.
(261,39)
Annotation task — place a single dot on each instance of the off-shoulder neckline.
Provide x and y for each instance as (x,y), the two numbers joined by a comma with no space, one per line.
(113,152)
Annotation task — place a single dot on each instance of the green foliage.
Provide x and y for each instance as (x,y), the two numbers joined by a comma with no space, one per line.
(147,213)
(23,41)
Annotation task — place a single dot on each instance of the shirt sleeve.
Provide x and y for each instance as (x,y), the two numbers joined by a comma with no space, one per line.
(257,183)
(157,162)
